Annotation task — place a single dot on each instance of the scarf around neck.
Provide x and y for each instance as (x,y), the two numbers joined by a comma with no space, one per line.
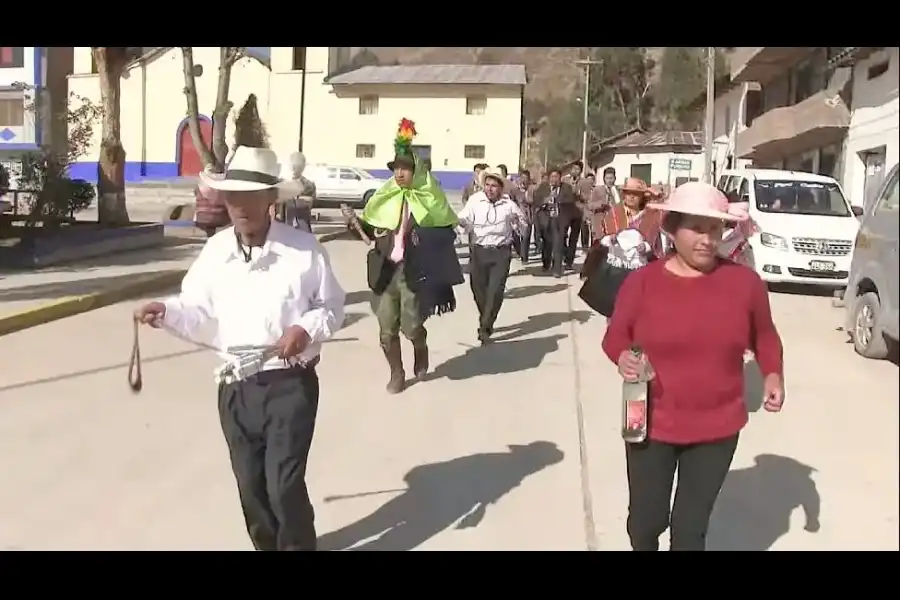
(426,201)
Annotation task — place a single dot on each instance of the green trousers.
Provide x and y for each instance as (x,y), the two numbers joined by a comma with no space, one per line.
(397,310)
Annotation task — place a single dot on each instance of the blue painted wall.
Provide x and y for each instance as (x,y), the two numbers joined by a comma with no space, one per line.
(451,181)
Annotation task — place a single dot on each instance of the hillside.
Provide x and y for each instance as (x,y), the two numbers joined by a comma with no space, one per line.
(552,72)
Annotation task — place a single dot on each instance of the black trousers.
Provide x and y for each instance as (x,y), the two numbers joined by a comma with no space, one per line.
(560,237)
(488,272)
(651,470)
(268,422)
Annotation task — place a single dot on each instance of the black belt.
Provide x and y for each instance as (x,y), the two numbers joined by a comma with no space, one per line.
(498,247)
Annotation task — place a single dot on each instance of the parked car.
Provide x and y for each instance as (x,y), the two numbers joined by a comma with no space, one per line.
(339,183)
(872,298)
(806,225)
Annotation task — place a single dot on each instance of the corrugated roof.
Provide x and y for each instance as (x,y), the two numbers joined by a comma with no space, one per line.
(642,139)
(435,74)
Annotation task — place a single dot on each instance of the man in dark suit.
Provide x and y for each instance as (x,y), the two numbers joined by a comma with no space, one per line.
(557,213)
(474,185)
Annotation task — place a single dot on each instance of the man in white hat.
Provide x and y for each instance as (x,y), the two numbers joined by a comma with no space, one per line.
(493,220)
(262,283)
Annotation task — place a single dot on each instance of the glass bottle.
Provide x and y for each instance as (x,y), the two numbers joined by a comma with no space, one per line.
(634,401)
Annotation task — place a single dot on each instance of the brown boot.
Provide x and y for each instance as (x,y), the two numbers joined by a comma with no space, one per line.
(420,354)
(394,355)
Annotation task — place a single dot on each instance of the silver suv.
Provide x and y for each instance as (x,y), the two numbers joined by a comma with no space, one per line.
(872,298)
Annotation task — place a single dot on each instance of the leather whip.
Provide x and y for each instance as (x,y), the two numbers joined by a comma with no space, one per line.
(135,378)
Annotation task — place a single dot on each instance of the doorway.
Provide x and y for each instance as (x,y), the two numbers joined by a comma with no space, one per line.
(189,161)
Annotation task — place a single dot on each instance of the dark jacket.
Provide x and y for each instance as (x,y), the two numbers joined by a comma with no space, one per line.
(566,194)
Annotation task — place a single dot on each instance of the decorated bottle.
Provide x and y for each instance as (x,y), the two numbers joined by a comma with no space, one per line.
(634,401)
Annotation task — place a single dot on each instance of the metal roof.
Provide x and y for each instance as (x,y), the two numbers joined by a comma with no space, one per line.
(435,74)
(641,139)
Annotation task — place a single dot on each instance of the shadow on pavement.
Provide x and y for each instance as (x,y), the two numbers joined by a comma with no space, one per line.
(353,317)
(797,289)
(358,297)
(503,357)
(438,495)
(528,291)
(539,323)
(755,506)
(122,366)
(74,287)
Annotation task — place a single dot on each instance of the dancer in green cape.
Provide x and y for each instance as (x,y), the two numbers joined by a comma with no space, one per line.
(412,266)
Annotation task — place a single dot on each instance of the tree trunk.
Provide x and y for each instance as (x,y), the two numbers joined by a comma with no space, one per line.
(227,57)
(193,110)
(111,209)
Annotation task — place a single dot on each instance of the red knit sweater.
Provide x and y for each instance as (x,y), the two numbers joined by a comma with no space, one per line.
(694,332)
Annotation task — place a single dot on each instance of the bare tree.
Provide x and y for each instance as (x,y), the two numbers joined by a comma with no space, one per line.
(111,209)
(213,155)
(193,110)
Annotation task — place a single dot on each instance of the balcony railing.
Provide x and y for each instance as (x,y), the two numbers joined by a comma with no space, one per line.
(819,120)
(762,64)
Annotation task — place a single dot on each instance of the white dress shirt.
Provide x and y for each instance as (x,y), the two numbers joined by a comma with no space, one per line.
(493,223)
(288,281)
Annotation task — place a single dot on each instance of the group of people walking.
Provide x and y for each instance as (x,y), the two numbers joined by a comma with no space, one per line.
(266,283)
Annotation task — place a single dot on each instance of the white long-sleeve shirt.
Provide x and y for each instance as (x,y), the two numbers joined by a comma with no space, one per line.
(288,281)
(493,223)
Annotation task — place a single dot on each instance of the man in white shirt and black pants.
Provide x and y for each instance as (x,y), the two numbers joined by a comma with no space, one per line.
(262,283)
(492,218)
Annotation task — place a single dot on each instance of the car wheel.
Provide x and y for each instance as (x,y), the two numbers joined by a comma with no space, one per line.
(367,196)
(868,338)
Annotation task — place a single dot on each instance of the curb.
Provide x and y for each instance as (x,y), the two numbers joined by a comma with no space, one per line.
(74,305)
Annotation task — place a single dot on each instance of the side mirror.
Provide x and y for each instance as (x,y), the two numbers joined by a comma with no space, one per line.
(857,210)
(745,198)
(357,177)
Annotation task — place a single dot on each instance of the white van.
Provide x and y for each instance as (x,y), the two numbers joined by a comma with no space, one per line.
(347,184)
(807,227)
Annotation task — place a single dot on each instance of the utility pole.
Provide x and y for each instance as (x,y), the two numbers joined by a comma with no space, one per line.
(587,64)
(708,174)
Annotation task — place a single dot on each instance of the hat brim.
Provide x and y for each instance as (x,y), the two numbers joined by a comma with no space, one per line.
(644,191)
(697,212)
(409,163)
(496,177)
(221,184)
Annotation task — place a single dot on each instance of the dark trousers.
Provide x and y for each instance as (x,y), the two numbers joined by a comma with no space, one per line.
(525,242)
(570,221)
(488,271)
(268,422)
(585,234)
(651,470)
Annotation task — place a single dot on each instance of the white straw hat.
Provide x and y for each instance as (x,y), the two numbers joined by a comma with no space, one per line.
(250,170)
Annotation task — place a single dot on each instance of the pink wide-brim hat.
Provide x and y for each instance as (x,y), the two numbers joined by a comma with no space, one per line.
(702,200)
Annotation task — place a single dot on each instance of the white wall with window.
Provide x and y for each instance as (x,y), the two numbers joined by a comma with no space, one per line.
(17,126)
(873,139)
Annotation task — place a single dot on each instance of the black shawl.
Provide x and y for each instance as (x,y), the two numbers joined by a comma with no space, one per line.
(432,269)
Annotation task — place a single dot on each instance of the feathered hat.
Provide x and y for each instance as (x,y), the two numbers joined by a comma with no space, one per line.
(403,152)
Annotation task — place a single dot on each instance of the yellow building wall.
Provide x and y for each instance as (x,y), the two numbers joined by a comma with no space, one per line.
(153,107)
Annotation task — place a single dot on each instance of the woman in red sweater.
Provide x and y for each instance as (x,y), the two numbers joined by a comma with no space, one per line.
(693,314)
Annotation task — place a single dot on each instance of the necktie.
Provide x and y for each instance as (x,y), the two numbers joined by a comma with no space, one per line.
(400,237)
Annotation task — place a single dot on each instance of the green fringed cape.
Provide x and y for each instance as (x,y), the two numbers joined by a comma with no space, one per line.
(427,203)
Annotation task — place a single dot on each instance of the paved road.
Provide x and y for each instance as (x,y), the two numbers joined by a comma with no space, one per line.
(513,446)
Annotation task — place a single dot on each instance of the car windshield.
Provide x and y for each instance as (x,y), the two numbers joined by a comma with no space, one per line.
(801,198)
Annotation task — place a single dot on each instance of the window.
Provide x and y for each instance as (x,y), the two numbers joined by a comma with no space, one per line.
(365,151)
(298,62)
(878,69)
(642,171)
(422,151)
(723,181)
(801,197)
(12,57)
(476,105)
(368,105)
(727,120)
(753,106)
(349,175)
(891,198)
(744,189)
(682,180)
(828,160)
(12,112)
(474,152)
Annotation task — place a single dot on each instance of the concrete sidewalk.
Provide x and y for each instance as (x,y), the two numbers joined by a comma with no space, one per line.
(510,447)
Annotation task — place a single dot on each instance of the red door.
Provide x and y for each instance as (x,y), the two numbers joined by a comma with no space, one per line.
(190,163)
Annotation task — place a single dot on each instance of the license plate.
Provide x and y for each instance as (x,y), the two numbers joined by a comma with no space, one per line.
(821,265)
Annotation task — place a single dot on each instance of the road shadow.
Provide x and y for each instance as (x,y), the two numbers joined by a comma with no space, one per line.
(799,289)
(753,386)
(503,357)
(353,317)
(439,495)
(755,506)
(75,287)
(528,291)
(538,323)
(358,297)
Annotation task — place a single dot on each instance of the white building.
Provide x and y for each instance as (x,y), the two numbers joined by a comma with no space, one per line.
(667,158)
(872,146)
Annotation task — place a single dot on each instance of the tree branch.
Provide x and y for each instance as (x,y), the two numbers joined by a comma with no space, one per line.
(193,110)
